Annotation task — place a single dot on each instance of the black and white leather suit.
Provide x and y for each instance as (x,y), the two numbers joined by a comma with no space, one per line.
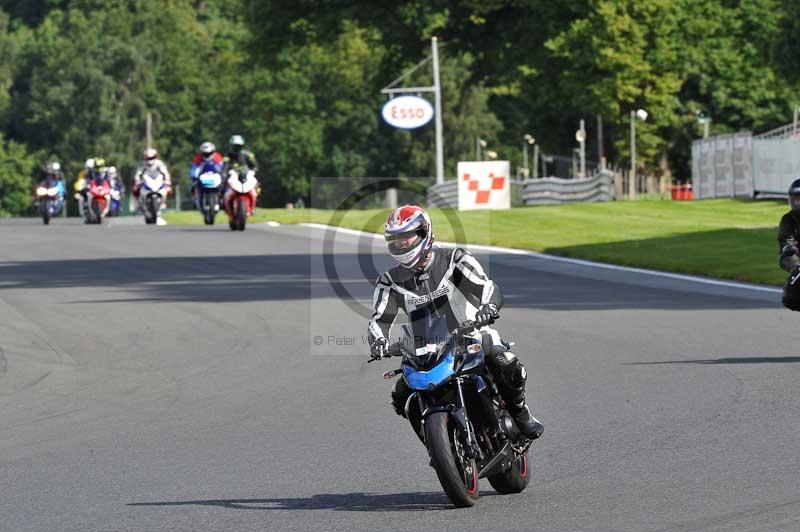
(789,259)
(449,291)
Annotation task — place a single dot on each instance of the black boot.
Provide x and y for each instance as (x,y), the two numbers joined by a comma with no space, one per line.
(527,424)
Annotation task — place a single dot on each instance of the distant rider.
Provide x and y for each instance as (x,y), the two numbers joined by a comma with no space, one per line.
(150,164)
(80,184)
(239,158)
(789,243)
(206,154)
(52,176)
(95,174)
(439,289)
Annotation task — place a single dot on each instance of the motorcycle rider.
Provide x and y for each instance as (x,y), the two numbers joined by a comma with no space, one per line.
(80,184)
(789,245)
(150,163)
(95,174)
(117,187)
(237,158)
(52,176)
(207,153)
(439,289)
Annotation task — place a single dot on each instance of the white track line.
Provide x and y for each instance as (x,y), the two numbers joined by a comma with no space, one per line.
(579,262)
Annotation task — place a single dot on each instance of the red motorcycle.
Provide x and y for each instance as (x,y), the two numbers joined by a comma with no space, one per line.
(241,196)
(99,196)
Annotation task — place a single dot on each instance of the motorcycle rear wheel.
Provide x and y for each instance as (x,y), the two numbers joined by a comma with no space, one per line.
(515,479)
(460,482)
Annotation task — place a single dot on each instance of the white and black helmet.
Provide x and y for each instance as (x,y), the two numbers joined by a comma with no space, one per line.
(207,149)
(409,234)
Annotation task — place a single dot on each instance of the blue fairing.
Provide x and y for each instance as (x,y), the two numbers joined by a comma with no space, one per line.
(422,380)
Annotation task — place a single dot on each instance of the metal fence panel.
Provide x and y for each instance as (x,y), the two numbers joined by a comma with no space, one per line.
(722,166)
(743,164)
(776,163)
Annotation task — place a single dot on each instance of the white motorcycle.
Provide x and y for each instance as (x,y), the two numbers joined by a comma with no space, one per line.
(153,194)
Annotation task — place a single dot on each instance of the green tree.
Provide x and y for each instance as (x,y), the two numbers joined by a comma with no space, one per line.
(16,188)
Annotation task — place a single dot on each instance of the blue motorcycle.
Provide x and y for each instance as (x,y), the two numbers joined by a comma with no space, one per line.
(457,412)
(208,184)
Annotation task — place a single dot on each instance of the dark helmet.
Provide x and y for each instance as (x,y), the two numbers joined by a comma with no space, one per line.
(794,195)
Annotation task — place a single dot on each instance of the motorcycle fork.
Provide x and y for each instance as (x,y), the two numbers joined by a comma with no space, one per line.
(471,446)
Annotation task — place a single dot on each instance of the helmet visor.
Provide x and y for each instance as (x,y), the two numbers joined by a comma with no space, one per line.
(794,201)
(402,243)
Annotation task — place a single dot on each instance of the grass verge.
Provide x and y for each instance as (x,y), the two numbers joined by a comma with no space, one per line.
(732,239)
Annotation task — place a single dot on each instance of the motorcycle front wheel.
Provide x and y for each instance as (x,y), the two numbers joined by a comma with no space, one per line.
(97,211)
(44,209)
(150,210)
(457,474)
(241,213)
(209,204)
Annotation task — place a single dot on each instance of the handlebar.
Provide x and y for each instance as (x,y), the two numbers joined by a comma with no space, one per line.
(396,349)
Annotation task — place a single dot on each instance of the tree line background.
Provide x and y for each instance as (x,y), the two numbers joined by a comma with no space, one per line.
(301,80)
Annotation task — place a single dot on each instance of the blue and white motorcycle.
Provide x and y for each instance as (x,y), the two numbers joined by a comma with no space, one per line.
(209,181)
(457,412)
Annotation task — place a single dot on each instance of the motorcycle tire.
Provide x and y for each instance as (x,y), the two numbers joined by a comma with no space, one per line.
(209,200)
(44,208)
(149,210)
(97,212)
(460,483)
(232,224)
(241,214)
(514,480)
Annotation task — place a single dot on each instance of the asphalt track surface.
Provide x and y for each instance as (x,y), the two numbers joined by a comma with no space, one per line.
(169,379)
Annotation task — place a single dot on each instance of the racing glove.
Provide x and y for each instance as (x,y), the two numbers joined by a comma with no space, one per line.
(379,348)
(486,314)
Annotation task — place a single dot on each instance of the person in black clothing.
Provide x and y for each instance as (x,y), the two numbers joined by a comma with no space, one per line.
(439,289)
(238,156)
(789,242)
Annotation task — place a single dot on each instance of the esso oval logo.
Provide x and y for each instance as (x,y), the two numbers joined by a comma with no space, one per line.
(407,112)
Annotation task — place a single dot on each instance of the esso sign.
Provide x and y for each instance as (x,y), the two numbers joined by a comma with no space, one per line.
(407,112)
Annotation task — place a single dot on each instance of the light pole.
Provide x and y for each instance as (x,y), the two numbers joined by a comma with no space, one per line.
(580,136)
(436,89)
(642,115)
(528,140)
(479,143)
(705,120)
(491,154)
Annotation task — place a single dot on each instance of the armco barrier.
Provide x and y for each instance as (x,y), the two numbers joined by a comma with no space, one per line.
(443,195)
(547,190)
